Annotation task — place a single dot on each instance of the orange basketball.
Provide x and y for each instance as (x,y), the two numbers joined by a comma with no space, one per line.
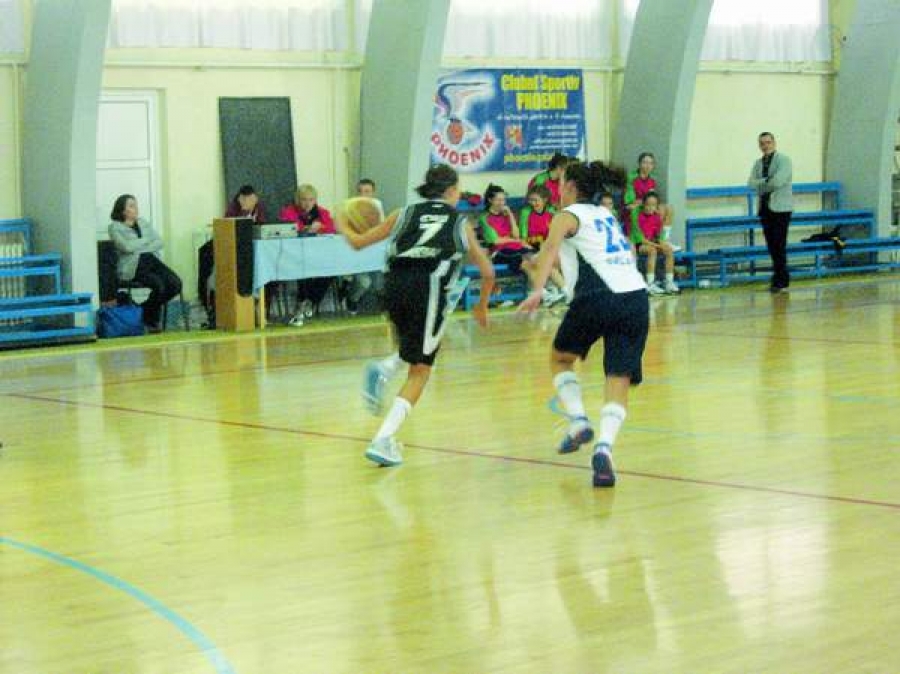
(361,213)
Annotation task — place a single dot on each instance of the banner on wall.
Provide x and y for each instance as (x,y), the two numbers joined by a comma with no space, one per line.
(502,119)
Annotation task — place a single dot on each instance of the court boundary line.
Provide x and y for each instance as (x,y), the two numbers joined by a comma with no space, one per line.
(206,646)
(476,454)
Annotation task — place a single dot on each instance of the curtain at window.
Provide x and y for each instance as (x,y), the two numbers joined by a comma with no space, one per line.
(301,25)
(531,29)
(12,30)
(757,30)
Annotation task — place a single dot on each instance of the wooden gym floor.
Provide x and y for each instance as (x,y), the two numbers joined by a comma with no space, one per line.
(204,506)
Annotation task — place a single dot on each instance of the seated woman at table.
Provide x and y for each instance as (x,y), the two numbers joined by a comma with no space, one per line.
(306,213)
(311,219)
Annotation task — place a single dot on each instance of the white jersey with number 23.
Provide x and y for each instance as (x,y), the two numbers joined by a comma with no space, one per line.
(597,256)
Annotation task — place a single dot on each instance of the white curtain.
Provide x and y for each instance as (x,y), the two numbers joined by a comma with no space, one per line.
(12,31)
(299,25)
(756,30)
(533,29)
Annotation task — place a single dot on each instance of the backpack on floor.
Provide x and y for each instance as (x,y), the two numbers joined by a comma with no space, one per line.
(120,321)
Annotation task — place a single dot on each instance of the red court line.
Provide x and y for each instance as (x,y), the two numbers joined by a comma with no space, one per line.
(250,368)
(472,453)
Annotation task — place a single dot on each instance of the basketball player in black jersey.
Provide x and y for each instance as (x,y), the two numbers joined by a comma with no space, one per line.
(430,240)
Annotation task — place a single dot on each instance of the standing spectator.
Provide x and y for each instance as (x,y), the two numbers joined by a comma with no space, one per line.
(311,219)
(245,204)
(639,183)
(647,239)
(137,244)
(550,178)
(771,177)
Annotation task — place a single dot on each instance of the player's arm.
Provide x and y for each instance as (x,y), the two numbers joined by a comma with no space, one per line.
(478,257)
(378,233)
(563,224)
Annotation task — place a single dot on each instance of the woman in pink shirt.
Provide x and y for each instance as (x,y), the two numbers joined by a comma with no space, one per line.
(501,231)
(647,238)
(310,219)
(640,183)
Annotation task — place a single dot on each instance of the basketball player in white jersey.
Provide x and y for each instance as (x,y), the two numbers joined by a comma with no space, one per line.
(609,300)
(430,240)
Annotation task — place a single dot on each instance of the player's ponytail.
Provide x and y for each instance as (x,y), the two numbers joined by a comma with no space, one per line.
(438,179)
(594,178)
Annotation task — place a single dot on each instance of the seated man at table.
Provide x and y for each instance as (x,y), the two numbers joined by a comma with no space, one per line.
(310,219)
(354,288)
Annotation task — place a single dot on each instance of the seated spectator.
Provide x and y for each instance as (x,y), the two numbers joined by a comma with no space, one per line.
(137,244)
(646,236)
(500,230)
(551,177)
(639,183)
(311,219)
(534,220)
(245,204)
(366,188)
(356,286)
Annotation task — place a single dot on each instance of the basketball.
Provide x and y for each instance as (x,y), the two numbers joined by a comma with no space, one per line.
(361,213)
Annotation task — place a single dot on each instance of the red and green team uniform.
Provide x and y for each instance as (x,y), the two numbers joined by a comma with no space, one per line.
(533,226)
(649,227)
(543,178)
(636,189)
(494,226)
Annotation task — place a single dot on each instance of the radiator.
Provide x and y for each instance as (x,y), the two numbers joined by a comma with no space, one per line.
(12,244)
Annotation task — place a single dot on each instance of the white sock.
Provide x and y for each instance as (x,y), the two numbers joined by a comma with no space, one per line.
(670,278)
(651,279)
(569,391)
(612,416)
(390,365)
(391,424)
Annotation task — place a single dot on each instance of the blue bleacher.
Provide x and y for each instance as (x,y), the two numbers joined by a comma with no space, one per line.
(29,313)
(515,289)
(813,259)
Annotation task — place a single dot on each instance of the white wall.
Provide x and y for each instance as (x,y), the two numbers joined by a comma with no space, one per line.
(324,106)
(10,141)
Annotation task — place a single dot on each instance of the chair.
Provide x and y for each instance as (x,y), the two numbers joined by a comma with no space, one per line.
(110,283)
(128,286)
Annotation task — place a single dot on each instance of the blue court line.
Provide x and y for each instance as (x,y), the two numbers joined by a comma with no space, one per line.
(213,654)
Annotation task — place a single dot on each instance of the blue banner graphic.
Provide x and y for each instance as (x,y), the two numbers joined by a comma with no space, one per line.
(507,119)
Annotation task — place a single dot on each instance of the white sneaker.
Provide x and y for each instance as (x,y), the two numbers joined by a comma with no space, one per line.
(672,288)
(306,308)
(385,452)
(296,321)
(551,296)
(656,289)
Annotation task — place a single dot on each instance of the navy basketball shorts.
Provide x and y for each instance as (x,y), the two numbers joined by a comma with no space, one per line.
(621,320)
